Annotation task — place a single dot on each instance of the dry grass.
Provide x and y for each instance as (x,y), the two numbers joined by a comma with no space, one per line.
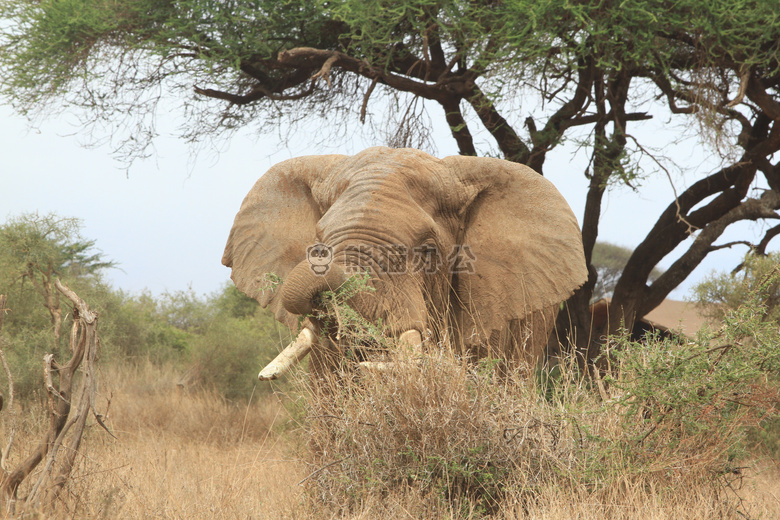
(443,439)
(179,455)
(409,444)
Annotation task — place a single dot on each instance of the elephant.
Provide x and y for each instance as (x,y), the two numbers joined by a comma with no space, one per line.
(472,251)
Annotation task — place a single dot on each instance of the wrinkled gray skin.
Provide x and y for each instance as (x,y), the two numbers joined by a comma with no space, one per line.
(525,242)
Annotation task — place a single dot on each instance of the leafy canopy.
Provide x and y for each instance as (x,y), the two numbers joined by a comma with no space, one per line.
(33,245)
(103,55)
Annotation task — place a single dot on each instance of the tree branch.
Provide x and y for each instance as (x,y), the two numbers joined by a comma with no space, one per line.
(675,224)
(83,345)
(756,92)
(765,207)
(768,236)
(311,58)
(729,245)
(458,126)
(257,93)
(507,139)
(564,117)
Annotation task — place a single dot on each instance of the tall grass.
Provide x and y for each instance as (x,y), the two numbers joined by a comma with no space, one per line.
(664,434)
(667,433)
(175,454)
(441,440)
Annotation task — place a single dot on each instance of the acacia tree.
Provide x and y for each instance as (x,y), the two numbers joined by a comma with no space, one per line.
(36,250)
(592,71)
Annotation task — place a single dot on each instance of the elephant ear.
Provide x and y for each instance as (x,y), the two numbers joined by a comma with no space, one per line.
(521,246)
(276,223)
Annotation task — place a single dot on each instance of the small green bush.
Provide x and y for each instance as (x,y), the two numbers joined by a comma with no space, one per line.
(228,355)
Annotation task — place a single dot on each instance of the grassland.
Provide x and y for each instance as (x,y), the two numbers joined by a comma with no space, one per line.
(436,442)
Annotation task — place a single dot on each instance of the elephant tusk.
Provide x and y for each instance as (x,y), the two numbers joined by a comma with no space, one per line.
(288,357)
(411,340)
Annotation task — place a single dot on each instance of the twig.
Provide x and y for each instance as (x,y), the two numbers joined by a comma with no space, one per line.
(364,106)
(729,245)
(321,469)
(708,351)
(691,227)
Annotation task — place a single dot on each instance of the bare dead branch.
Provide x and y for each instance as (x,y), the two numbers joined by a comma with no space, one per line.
(324,72)
(48,359)
(66,429)
(10,405)
(84,311)
(729,245)
(11,413)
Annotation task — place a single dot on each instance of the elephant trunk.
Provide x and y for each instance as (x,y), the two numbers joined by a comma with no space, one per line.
(302,286)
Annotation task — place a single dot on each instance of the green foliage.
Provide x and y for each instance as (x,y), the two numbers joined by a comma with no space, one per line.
(530,73)
(34,251)
(231,351)
(33,245)
(707,392)
(50,36)
(757,283)
(333,309)
(220,341)
(62,49)
(720,293)
(235,304)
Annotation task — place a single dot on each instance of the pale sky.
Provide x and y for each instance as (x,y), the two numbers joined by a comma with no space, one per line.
(166,222)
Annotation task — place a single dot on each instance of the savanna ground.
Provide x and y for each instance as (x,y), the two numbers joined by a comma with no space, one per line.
(180,454)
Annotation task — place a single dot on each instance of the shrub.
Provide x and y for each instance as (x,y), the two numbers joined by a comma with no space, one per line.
(444,438)
(228,355)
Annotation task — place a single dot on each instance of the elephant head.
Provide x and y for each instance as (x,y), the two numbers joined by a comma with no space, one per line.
(480,251)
